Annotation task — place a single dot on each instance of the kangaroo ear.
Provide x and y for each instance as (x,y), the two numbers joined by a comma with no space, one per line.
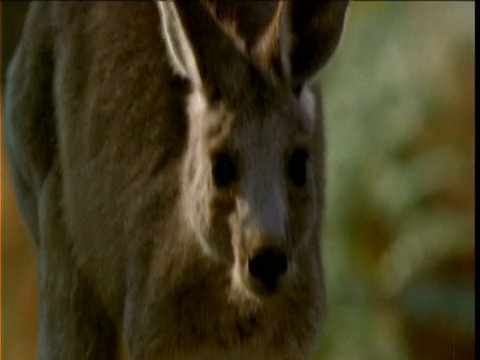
(309,34)
(199,48)
(179,48)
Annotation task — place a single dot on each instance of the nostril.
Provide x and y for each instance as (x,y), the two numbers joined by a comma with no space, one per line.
(267,266)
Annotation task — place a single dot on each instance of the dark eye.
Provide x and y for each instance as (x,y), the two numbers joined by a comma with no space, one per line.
(224,172)
(297,167)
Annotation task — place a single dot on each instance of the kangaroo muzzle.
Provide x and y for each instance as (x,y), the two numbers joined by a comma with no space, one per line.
(267,266)
(266,263)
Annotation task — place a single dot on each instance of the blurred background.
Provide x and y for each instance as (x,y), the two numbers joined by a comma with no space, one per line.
(399,226)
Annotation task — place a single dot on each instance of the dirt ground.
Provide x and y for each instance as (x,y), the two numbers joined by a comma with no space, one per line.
(19,280)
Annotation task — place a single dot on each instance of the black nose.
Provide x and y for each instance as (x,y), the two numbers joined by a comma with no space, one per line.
(267,266)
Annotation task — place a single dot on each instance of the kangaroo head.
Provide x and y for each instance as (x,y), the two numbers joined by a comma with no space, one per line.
(253,168)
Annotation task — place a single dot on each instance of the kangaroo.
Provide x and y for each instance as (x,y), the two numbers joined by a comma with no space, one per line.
(168,160)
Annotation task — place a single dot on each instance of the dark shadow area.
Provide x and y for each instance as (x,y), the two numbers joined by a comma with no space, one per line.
(13,16)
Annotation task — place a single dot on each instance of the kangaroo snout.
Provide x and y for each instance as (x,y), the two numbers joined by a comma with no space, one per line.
(267,265)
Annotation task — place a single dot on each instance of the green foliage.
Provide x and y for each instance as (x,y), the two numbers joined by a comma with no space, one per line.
(399,230)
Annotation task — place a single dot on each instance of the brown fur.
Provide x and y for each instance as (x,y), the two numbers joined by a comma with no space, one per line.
(111,159)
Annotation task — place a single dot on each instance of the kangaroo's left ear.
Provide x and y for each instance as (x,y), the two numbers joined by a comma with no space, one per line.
(309,34)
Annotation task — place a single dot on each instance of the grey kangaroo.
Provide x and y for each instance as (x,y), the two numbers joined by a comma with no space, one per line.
(168,159)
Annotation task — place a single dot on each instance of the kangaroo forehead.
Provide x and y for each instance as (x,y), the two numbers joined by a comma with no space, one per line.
(249,127)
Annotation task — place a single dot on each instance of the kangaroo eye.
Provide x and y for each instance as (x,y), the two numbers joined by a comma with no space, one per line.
(297,167)
(224,172)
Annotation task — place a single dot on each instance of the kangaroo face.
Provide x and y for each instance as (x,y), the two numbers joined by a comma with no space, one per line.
(275,200)
(249,179)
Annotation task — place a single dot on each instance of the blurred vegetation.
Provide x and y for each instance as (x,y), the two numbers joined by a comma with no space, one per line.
(399,227)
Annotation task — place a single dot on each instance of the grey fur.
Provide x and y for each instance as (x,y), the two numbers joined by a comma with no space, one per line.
(111,143)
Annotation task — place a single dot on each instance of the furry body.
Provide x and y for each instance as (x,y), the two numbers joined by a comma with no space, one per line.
(110,155)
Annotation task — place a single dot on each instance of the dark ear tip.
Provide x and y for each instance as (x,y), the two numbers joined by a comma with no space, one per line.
(316,28)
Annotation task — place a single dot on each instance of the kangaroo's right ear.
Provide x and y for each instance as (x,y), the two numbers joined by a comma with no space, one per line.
(179,49)
(198,47)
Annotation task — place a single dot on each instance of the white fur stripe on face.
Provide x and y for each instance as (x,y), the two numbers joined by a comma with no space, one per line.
(307,103)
